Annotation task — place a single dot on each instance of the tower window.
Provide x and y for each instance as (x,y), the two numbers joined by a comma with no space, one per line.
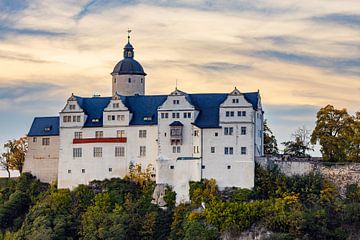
(142,80)
(129,80)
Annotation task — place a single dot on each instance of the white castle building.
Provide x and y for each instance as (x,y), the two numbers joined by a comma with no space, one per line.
(184,137)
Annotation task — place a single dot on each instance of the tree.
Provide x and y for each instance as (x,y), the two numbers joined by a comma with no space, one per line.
(4,162)
(16,150)
(332,129)
(300,145)
(270,143)
(354,138)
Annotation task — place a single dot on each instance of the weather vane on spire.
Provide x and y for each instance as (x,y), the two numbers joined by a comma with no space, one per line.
(129,31)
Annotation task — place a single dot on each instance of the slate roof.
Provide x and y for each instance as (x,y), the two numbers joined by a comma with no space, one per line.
(176,123)
(143,109)
(128,66)
(44,126)
(93,108)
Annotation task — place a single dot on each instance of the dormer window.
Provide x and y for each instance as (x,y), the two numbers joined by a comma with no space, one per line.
(95,120)
(115,105)
(47,129)
(176,101)
(235,100)
(72,107)
(147,118)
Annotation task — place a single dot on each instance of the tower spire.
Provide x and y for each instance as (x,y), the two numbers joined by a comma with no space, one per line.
(129,31)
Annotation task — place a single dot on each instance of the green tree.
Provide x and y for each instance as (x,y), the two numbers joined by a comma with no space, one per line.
(270,143)
(354,138)
(332,129)
(196,230)
(301,145)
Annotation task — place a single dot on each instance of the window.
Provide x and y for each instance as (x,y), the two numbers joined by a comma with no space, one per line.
(235,100)
(119,151)
(78,135)
(216,134)
(228,130)
(176,101)
(228,150)
(229,113)
(46,141)
(83,170)
(175,115)
(120,133)
(111,117)
(115,105)
(97,151)
(212,149)
(241,113)
(196,149)
(110,169)
(164,115)
(142,80)
(228,167)
(77,152)
(147,118)
(78,118)
(243,150)
(72,107)
(203,167)
(243,130)
(99,134)
(142,151)
(172,167)
(176,149)
(187,114)
(129,80)
(34,139)
(69,171)
(120,117)
(142,133)
(74,118)
(66,118)
(196,133)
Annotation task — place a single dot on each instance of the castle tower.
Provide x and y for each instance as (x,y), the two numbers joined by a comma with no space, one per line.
(128,76)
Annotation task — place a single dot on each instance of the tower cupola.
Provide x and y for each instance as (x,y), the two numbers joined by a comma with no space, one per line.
(128,76)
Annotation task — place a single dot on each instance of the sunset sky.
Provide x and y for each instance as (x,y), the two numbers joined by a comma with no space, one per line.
(301,55)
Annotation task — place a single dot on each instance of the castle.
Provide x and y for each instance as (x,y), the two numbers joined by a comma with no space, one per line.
(184,137)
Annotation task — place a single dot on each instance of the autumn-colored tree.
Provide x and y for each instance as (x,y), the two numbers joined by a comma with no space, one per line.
(16,150)
(332,131)
(270,143)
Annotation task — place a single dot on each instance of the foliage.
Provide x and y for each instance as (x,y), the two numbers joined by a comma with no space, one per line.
(338,134)
(300,145)
(298,207)
(14,157)
(270,143)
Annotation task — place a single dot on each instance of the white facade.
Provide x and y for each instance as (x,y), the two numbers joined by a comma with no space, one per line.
(182,137)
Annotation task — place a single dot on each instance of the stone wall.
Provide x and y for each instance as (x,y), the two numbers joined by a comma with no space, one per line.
(341,174)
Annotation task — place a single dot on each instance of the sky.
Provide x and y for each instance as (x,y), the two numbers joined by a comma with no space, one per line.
(300,55)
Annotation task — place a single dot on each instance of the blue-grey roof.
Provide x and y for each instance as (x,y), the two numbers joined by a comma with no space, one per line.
(93,108)
(143,107)
(44,126)
(144,110)
(176,123)
(128,66)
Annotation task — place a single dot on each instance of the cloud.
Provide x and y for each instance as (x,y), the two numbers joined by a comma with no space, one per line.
(222,66)
(340,65)
(27,31)
(20,90)
(349,20)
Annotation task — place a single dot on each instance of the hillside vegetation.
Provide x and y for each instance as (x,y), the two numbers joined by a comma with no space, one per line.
(300,207)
